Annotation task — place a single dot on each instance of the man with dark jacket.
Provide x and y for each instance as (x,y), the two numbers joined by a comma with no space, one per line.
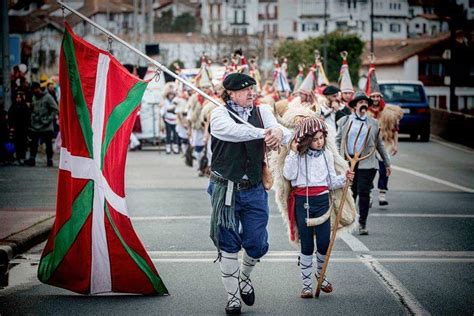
(366,169)
(44,111)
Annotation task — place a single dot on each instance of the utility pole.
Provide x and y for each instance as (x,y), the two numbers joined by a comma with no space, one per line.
(151,18)
(372,26)
(325,47)
(5,56)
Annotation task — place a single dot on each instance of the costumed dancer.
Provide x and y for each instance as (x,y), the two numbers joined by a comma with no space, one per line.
(169,117)
(331,106)
(359,123)
(321,78)
(347,90)
(207,109)
(310,168)
(182,124)
(280,82)
(306,90)
(255,74)
(239,200)
(291,116)
(299,77)
(195,105)
(389,117)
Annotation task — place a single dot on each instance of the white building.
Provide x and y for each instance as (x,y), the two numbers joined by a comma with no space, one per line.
(300,19)
(268,18)
(236,17)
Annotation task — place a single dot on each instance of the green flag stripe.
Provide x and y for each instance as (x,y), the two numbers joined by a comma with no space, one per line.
(120,113)
(81,209)
(155,279)
(76,90)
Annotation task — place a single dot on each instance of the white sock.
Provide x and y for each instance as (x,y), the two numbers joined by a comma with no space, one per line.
(248,263)
(230,277)
(319,262)
(306,266)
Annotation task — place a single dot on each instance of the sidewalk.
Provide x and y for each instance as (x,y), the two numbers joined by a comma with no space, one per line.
(27,207)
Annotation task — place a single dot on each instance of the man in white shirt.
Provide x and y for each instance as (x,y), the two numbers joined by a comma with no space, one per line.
(239,200)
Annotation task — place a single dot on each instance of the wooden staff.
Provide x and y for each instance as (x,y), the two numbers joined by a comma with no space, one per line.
(352,161)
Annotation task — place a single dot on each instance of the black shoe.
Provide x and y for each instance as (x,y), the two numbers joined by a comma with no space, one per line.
(248,297)
(233,309)
(363,230)
(30,162)
(49,163)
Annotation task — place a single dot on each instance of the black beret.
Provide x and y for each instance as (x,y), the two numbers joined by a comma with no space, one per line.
(330,90)
(237,81)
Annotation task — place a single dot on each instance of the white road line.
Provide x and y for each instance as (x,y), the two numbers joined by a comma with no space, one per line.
(458,147)
(333,260)
(205,217)
(422,215)
(394,286)
(354,243)
(434,179)
(178,217)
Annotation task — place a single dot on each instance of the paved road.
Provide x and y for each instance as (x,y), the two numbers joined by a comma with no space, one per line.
(418,258)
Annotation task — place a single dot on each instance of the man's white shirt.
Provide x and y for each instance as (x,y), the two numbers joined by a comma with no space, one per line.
(224,127)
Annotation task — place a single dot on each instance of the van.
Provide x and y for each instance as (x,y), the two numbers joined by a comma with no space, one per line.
(411,97)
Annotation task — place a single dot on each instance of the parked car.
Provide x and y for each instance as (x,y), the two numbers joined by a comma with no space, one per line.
(411,97)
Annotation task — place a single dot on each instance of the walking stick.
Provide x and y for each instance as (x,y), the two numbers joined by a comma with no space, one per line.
(352,161)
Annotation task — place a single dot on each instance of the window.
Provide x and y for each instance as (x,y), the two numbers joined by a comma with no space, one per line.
(243,17)
(235,16)
(111,17)
(402,93)
(395,28)
(341,25)
(432,100)
(434,69)
(310,27)
(378,27)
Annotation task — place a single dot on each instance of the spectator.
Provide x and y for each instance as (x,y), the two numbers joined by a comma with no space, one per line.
(43,113)
(19,121)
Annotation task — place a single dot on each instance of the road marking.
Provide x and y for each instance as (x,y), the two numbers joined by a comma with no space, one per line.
(353,243)
(394,286)
(333,260)
(179,217)
(458,147)
(434,179)
(422,215)
(206,217)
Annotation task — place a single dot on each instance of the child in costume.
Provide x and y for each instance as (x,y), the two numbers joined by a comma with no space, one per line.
(310,168)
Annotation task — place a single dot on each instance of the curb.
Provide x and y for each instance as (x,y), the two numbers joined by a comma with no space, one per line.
(22,241)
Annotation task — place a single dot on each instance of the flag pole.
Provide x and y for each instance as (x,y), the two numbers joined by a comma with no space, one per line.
(151,60)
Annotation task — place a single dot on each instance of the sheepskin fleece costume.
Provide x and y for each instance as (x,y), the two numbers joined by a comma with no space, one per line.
(282,187)
(389,118)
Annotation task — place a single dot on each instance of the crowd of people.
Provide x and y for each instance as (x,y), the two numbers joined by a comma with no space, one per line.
(304,139)
(31,120)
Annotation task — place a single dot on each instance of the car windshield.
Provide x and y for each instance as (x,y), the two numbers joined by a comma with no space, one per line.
(409,93)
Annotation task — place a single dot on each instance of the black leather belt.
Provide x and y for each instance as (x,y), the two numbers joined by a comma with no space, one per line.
(241,185)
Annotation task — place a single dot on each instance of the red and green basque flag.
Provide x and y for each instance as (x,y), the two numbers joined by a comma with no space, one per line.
(93,247)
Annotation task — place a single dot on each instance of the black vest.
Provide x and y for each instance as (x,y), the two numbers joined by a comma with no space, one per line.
(234,160)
